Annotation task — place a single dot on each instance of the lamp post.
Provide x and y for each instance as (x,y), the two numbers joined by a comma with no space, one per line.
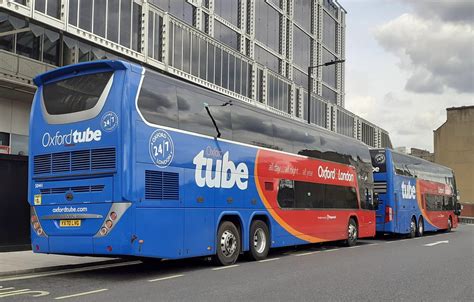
(310,82)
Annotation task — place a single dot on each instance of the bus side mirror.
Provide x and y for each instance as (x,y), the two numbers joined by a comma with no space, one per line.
(458,208)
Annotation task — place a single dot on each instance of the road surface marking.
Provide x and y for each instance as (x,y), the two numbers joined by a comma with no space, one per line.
(268,260)
(224,267)
(353,247)
(13,292)
(68,271)
(372,244)
(165,278)
(331,250)
(306,254)
(82,294)
(437,242)
(6,288)
(391,241)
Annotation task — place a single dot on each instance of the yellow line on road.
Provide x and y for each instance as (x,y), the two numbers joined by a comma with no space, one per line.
(224,267)
(82,294)
(165,278)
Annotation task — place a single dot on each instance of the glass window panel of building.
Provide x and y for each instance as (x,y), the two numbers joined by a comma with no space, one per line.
(329,32)
(301,48)
(267,25)
(302,11)
(228,10)
(155,26)
(226,35)
(329,72)
(123,19)
(318,112)
(266,58)
(49,7)
(345,123)
(329,95)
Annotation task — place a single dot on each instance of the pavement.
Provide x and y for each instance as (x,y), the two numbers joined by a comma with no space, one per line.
(14,263)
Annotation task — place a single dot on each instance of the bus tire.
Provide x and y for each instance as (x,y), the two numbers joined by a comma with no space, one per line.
(450,224)
(420,230)
(259,240)
(352,232)
(412,227)
(228,244)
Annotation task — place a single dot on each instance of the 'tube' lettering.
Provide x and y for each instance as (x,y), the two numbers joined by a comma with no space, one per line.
(224,174)
(408,191)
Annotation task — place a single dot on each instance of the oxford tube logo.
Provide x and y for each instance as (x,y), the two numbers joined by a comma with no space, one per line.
(161,148)
(71,138)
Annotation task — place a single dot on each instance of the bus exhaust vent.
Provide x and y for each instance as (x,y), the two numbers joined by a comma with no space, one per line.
(380,187)
(78,189)
(75,161)
(161,185)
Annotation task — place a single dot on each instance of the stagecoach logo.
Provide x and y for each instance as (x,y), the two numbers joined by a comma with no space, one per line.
(71,138)
(327,217)
(223,174)
(408,191)
(109,121)
(161,148)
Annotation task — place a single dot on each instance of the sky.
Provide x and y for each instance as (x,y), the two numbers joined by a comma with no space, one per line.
(406,62)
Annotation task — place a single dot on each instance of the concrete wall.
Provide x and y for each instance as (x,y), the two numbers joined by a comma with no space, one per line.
(454,147)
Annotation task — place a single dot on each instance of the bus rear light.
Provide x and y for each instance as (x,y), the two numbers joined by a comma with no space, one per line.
(115,213)
(388,214)
(36,224)
(108,224)
(103,231)
(113,216)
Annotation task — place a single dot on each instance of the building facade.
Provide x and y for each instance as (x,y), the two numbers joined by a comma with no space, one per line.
(454,147)
(257,51)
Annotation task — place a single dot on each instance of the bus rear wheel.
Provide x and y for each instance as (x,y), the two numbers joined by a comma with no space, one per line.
(421,227)
(413,227)
(352,233)
(259,240)
(228,244)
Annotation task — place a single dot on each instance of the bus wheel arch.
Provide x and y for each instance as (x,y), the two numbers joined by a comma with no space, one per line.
(259,237)
(420,230)
(352,231)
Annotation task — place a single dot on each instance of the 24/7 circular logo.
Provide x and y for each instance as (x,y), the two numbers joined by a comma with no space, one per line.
(109,121)
(161,148)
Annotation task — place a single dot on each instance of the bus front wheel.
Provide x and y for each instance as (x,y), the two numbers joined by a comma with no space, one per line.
(259,240)
(228,244)
(352,233)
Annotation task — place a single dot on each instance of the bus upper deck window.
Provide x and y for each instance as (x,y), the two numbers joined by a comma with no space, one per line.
(74,94)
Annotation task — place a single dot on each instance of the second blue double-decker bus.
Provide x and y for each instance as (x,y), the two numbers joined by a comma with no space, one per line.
(415,195)
(127,161)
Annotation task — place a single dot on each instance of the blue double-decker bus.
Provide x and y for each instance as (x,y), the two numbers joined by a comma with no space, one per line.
(127,161)
(414,195)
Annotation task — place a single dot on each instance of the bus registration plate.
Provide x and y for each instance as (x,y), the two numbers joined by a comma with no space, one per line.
(69,223)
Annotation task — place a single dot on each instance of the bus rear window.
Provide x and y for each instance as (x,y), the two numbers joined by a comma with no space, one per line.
(75,94)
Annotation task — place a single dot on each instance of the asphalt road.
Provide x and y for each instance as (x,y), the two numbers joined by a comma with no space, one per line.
(437,267)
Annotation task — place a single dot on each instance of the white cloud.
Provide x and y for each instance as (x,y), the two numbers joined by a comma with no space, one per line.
(438,54)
